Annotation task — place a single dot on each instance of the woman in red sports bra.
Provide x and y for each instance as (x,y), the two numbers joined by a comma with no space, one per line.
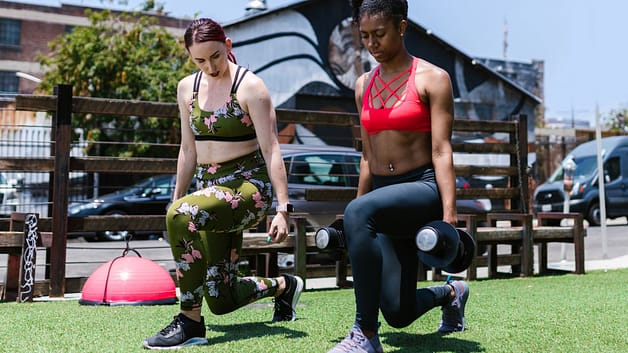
(406,181)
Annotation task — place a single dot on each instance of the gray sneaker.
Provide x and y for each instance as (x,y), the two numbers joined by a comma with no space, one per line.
(453,313)
(356,342)
(181,332)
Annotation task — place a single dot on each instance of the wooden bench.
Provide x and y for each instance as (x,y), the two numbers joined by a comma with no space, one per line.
(574,233)
(512,224)
(254,245)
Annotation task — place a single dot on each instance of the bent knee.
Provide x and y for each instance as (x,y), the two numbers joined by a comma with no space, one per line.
(219,309)
(397,319)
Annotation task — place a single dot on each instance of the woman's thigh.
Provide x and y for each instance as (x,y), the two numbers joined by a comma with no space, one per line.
(397,210)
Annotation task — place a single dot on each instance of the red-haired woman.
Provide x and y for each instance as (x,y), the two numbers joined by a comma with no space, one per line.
(229,145)
(406,181)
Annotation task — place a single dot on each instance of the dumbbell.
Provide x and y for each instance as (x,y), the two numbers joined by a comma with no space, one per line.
(440,245)
(332,237)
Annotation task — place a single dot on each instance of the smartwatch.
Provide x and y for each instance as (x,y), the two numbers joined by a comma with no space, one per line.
(286,207)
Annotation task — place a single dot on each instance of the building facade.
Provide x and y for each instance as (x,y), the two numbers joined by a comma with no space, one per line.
(308,53)
(26,30)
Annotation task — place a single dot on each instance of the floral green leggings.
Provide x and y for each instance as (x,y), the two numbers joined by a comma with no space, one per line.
(205,233)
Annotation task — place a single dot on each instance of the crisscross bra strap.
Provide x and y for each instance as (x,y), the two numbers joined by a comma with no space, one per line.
(386,87)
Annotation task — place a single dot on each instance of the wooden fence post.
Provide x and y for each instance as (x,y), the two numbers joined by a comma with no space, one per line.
(61,183)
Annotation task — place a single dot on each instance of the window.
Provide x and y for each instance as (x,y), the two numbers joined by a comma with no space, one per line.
(10,32)
(611,169)
(324,169)
(8,82)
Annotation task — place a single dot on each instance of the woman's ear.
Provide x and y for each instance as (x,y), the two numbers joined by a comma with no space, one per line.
(403,25)
(228,43)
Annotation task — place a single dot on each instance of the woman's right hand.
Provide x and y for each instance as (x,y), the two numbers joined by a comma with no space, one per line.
(278,230)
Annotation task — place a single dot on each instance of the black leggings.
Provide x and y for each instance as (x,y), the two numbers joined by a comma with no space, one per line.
(380,228)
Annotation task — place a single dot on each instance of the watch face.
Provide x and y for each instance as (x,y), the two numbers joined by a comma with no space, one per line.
(285,208)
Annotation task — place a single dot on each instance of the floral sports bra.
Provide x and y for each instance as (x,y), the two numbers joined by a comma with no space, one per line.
(227,123)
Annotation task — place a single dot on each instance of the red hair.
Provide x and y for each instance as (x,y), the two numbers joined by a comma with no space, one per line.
(204,30)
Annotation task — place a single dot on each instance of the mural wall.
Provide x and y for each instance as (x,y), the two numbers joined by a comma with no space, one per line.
(310,55)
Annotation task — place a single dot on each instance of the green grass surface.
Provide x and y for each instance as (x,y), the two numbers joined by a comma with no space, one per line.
(569,313)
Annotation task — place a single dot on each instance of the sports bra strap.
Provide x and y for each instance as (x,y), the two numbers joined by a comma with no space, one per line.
(197,83)
(238,79)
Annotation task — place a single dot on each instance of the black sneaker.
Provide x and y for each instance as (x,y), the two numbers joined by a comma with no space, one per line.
(286,303)
(181,332)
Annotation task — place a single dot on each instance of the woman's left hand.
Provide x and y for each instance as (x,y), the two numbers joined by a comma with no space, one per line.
(278,231)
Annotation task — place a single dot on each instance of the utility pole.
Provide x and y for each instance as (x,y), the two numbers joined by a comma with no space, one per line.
(505,44)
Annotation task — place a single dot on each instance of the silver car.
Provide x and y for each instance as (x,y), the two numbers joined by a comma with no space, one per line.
(311,167)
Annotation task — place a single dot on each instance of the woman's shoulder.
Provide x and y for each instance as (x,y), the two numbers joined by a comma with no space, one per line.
(252,83)
(186,86)
(187,81)
(428,68)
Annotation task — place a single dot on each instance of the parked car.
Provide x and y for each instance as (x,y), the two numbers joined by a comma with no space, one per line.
(473,206)
(584,197)
(8,194)
(147,197)
(308,166)
(311,167)
(337,167)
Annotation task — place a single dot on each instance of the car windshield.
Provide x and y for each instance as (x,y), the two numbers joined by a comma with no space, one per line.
(324,169)
(585,166)
(149,186)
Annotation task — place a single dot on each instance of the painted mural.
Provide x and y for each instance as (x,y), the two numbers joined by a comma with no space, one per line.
(310,55)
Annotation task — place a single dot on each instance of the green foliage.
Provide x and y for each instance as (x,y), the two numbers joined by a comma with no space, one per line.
(120,56)
(617,120)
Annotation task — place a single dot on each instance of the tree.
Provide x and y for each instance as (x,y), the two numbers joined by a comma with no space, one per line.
(617,120)
(122,56)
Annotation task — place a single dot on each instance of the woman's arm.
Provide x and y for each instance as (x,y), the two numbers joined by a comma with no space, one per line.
(442,111)
(256,101)
(186,161)
(364,181)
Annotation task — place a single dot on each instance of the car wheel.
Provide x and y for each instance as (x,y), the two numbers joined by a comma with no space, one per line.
(114,235)
(593,215)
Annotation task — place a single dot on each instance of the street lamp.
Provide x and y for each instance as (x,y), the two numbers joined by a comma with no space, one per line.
(27,77)
(569,167)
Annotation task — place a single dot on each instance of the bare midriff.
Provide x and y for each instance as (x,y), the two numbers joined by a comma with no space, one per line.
(397,152)
(208,152)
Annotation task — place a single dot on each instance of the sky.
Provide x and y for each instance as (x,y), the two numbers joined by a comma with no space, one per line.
(582,43)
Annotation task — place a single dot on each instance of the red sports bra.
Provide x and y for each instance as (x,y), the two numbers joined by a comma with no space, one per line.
(409,113)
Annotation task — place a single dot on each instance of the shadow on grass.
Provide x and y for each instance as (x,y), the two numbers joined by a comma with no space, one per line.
(247,330)
(434,342)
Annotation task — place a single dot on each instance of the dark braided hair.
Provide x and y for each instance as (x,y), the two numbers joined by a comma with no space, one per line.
(204,30)
(397,10)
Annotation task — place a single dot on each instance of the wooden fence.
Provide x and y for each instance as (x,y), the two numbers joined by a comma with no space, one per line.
(61,163)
